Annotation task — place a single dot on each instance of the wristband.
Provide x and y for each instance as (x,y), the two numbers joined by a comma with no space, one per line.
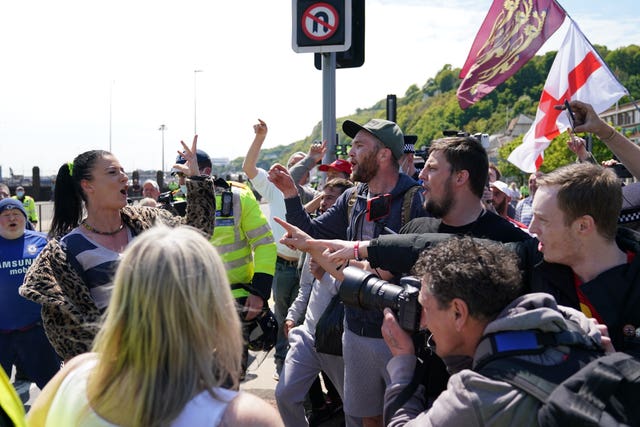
(356,252)
(611,135)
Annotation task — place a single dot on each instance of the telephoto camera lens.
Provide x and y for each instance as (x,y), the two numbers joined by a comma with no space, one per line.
(364,289)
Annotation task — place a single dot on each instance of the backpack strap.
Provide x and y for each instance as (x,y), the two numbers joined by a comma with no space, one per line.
(353,198)
(406,204)
(608,372)
(604,392)
(511,371)
(518,343)
(498,358)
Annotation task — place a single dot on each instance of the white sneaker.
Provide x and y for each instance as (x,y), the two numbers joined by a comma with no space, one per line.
(276,375)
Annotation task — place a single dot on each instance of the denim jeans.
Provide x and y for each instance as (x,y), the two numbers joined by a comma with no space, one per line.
(286,281)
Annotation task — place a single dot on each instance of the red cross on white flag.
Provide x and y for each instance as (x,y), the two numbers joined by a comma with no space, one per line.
(577,73)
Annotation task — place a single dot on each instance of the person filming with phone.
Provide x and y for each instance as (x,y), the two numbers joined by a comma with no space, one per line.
(583,118)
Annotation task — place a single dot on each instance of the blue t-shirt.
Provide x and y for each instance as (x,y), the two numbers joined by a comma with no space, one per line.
(16,256)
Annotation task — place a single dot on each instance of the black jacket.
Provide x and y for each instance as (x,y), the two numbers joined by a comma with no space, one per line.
(614,293)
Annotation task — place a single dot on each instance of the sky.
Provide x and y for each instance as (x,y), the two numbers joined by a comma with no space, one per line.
(78,75)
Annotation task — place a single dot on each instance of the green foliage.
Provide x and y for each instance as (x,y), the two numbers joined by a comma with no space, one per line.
(429,110)
(508,169)
(556,155)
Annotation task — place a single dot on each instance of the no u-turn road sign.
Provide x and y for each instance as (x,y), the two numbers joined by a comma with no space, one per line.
(321,26)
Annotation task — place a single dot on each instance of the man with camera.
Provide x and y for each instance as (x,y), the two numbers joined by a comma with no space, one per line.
(580,256)
(383,200)
(471,305)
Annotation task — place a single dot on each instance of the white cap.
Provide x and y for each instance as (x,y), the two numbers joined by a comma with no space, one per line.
(502,187)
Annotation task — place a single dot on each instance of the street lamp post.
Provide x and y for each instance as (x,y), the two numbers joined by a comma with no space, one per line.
(162,129)
(195,106)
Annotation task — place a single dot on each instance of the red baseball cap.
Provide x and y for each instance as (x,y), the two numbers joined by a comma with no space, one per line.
(339,165)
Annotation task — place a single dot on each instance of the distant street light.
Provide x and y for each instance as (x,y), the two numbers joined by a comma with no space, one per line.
(161,129)
(110,110)
(195,106)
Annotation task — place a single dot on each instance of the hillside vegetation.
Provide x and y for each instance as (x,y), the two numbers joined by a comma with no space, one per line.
(428,110)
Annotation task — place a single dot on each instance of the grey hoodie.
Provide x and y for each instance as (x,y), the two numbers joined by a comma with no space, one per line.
(472,399)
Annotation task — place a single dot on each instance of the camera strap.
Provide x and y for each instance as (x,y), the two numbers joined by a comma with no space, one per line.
(408,391)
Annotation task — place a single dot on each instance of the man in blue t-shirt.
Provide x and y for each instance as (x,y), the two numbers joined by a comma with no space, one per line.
(23,342)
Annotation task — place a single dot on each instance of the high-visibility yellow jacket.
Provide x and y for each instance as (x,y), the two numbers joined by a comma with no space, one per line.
(10,402)
(245,243)
(30,207)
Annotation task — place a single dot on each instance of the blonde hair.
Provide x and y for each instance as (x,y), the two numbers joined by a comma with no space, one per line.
(171,328)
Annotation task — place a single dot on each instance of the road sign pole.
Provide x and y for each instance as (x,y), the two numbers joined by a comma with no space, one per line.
(329,105)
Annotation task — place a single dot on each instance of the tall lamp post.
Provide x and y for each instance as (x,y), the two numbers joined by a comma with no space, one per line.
(162,129)
(195,105)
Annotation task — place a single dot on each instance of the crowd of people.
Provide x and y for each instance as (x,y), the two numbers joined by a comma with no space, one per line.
(151,309)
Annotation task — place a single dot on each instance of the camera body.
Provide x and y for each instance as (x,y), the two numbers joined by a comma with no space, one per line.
(483,138)
(365,290)
(167,201)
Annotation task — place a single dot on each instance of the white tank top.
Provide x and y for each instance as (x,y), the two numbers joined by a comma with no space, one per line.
(70,406)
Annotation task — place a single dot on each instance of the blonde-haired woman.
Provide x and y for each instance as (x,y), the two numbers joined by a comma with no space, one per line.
(170,343)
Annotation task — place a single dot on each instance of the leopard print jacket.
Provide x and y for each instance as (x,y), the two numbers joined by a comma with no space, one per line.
(70,317)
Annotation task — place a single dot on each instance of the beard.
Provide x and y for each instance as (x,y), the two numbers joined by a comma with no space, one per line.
(441,208)
(366,169)
(501,208)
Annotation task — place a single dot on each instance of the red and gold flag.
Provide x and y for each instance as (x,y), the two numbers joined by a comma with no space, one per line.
(511,34)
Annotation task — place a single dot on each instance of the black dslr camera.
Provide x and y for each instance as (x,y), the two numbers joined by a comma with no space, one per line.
(176,207)
(363,289)
(483,138)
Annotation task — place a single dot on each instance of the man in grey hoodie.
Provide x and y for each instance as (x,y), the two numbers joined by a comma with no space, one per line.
(470,290)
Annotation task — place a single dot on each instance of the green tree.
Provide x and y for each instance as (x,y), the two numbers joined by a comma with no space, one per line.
(557,154)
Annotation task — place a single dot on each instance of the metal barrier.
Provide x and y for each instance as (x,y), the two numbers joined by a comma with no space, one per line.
(45,215)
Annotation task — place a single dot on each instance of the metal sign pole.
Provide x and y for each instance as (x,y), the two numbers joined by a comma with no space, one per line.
(329,106)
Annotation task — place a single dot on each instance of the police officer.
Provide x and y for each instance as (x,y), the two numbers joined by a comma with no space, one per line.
(28,203)
(245,242)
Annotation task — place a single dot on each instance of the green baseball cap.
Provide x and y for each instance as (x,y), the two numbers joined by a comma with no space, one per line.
(386,131)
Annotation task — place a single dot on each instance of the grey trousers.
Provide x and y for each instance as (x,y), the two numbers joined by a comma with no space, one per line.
(301,366)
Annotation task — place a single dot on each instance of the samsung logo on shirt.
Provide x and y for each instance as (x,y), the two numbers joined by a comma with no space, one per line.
(15,263)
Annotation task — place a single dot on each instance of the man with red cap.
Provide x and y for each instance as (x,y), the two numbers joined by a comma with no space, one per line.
(338,169)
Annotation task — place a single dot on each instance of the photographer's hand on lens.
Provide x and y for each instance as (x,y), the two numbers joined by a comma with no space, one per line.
(397,339)
(281,178)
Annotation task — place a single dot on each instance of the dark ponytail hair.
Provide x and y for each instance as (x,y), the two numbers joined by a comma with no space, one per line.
(68,196)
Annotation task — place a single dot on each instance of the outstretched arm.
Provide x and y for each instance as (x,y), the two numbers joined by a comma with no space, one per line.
(281,178)
(295,238)
(588,121)
(304,166)
(249,165)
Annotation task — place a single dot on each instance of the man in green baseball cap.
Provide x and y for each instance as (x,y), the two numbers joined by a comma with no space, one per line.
(374,154)
(387,132)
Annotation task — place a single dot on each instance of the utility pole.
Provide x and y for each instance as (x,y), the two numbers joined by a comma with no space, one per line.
(162,129)
(195,105)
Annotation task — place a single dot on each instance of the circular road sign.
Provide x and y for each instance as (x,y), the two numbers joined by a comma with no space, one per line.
(320,21)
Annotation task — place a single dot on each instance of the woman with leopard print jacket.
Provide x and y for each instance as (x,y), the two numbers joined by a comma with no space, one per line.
(71,278)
